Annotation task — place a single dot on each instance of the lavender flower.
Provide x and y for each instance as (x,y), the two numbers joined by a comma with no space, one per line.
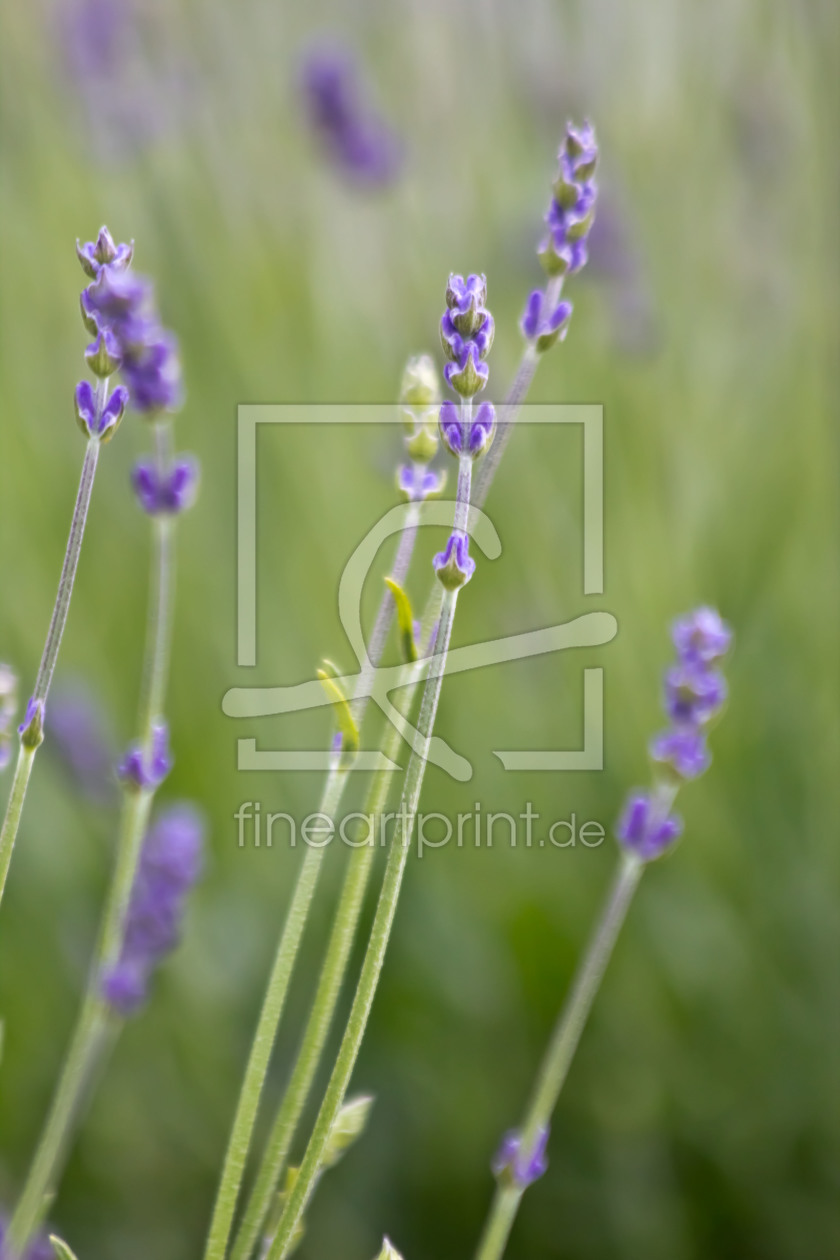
(118,310)
(646,827)
(701,637)
(543,325)
(104,252)
(479,429)
(171,491)
(146,770)
(93,422)
(359,143)
(169,866)
(517,1167)
(454,566)
(466,333)
(694,693)
(8,708)
(418,483)
(572,209)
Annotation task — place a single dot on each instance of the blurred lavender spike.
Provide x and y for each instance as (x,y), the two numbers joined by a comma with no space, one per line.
(169,866)
(8,709)
(80,738)
(357,140)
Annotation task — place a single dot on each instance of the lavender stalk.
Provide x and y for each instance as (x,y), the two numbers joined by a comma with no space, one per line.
(467,335)
(694,694)
(120,309)
(418,394)
(98,414)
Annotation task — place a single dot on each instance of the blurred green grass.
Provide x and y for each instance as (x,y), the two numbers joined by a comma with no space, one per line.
(700,1116)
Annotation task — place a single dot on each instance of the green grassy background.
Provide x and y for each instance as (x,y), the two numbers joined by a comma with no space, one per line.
(700,1116)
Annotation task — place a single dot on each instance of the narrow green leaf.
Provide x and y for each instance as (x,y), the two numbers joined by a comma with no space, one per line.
(405,620)
(343,714)
(61,1249)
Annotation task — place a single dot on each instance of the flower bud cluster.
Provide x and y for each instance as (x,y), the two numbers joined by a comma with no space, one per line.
(419,401)
(169,866)
(694,694)
(8,709)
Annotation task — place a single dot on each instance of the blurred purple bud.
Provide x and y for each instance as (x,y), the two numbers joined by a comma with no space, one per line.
(644,830)
(147,769)
(454,566)
(521,1168)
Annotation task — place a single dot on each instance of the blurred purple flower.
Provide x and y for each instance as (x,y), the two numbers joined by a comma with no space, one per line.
(522,1169)
(645,829)
(356,139)
(40,1248)
(170,864)
(78,734)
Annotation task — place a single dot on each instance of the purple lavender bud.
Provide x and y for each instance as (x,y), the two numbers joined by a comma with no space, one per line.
(481,429)
(693,695)
(701,636)
(31,729)
(358,142)
(172,492)
(93,424)
(104,355)
(169,866)
(120,301)
(572,210)
(544,327)
(466,334)
(417,483)
(454,566)
(450,426)
(147,770)
(644,830)
(683,749)
(518,1168)
(103,252)
(79,735)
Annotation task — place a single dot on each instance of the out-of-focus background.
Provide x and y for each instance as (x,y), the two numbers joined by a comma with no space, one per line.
(700,1116)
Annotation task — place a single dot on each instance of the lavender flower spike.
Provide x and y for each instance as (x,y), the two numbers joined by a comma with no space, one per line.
(466,333)
(146,771)
(572,211)
(169,866)
(104,252)
(358,142)
(521,1169)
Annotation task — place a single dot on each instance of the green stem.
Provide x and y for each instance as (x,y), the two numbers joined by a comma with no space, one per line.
(323,1009)
(263,1043)
(561,1048)
(61,609)
(96,1027)
(377,945)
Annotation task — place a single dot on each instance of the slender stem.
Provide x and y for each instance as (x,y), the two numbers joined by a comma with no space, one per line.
(96,1027)
(323,1009)
(263,1043)
(562,1046)
(61,608)
(377,945)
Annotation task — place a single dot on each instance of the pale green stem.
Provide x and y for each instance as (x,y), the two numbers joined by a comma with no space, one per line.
(377,945)
(323,1009)
(561,1049)
(385,910)
(263,1043)
(96,1027)
(61,609)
